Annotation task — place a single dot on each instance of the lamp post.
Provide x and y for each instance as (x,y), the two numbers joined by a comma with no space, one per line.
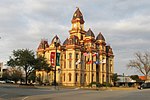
(56,43)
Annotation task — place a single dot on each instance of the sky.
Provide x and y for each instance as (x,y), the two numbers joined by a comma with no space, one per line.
(125,24)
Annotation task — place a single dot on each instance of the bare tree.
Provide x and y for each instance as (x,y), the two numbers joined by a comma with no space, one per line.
(141,63)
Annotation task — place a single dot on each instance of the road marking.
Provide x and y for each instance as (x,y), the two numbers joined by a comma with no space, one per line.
(25,98)
(3,95)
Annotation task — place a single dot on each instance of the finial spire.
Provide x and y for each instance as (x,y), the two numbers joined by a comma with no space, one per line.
(77,7)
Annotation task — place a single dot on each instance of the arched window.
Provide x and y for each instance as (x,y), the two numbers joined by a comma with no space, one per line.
(64,77)
(69,77)
(81,37)
(70,62)
(76,77)
(84,77)
(103,78)
(70,55)
(92,77)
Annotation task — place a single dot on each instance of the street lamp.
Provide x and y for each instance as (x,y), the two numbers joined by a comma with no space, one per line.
(56,44)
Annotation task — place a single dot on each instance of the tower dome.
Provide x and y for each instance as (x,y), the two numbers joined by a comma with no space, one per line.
(77,16)
(89,33)
(100,37)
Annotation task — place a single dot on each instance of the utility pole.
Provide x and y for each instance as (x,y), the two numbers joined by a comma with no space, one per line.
(56,44)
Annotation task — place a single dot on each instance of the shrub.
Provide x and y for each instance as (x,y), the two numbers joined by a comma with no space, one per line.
(107,84)
(97,84)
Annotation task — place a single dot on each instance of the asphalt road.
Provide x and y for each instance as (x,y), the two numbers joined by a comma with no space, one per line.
(14,92)
(9,92)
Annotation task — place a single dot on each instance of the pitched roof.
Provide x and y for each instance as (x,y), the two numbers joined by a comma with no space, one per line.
(79,15)
(89,33)
(43,44)
(108,48)
(65,42)
(56,37)
(142,78)
(100,37)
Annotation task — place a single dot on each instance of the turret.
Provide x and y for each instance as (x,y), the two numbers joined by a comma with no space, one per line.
(77,28)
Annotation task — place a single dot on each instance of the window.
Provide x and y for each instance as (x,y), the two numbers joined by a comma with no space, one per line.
(92,66)
(103,78)
(64,56)
(70,62)
(70,55)
(64,77)
(76,66)
(84,77)
(77,56)
(81,37)
(61,57)
(64,64)
(85,63)
(69,77)
(92,77)
(76,77)
(92,63)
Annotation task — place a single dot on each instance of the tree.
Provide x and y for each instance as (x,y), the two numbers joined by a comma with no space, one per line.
(41,63)
(48,69)
(32,76)
(141,63)
(136,77)
(115,78)
(6,75)
(25,59)
(44,66)
(16,75)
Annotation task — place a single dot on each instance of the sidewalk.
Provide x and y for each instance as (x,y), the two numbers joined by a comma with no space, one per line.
(88,88)
(109,88)
(70,87)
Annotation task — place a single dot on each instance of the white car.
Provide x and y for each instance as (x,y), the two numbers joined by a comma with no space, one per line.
(3,82)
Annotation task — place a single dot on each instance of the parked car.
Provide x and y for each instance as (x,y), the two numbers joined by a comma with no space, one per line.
(2,82)
(144,86)
(9,81)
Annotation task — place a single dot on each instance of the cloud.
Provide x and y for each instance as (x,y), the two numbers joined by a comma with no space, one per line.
(124,24)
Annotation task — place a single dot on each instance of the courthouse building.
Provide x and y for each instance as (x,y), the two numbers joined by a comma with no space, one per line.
(81,59)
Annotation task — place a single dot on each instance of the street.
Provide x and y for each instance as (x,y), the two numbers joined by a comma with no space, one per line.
(95,95)
(8,92)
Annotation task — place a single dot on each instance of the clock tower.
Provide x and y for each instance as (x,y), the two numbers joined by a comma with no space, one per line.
(77,28)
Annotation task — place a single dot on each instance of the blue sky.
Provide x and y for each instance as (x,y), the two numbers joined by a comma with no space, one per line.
(124,24)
